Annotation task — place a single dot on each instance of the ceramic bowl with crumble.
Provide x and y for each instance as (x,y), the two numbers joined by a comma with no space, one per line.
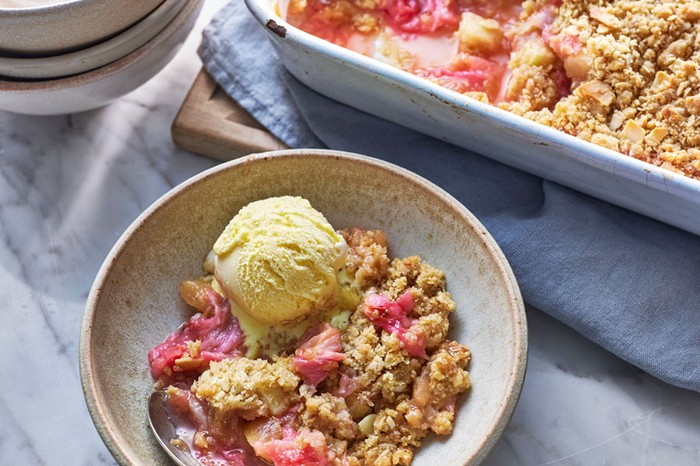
(305,307)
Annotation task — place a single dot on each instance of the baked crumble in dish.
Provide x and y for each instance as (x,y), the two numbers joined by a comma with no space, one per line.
(623,74)
(360,379)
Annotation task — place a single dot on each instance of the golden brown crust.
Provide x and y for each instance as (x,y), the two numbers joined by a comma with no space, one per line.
(647,55)
(396,399)
(329,414)
(623,74)
(387,374)
(249,387)
(367,259)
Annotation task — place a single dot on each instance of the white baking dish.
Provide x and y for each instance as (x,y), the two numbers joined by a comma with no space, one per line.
(400,97)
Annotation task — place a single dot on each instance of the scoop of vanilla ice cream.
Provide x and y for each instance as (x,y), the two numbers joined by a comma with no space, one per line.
(277,259)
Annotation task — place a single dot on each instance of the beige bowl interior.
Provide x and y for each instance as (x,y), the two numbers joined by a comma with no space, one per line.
(134,302)
(69,25)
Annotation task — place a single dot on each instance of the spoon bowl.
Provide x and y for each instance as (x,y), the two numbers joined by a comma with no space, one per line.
(163,427)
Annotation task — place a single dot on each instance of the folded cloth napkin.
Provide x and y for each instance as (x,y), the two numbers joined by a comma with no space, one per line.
(627,282)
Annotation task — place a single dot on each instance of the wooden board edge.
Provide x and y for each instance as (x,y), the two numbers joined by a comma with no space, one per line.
(211,124)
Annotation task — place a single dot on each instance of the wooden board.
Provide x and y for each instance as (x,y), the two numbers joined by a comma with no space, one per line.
(212,124)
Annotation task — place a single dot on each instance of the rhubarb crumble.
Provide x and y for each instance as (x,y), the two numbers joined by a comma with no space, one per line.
(370,377)
(623,74)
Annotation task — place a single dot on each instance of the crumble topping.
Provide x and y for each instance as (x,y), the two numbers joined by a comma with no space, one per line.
(367,259)
(622,74)
(249,387)
(350,396)
(640,93)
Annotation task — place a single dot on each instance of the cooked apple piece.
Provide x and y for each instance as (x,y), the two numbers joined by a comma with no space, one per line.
(533,52)
(478,34)
(577,66)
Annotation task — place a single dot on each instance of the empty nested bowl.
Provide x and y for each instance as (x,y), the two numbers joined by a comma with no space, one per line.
(50,27)
(86,59)
(134,303)
(100,86)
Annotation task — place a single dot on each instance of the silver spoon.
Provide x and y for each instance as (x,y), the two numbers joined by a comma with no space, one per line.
(164,429)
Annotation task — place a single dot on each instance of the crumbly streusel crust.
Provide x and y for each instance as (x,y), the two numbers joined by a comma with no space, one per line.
(641,95)
(396,399)
(623,74)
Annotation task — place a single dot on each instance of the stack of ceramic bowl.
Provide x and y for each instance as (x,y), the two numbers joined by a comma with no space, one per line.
(64,56)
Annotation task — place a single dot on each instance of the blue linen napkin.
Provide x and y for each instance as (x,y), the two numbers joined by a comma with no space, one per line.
(627,282)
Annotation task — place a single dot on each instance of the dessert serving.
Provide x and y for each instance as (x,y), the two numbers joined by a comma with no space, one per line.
(310,346)
(622,74)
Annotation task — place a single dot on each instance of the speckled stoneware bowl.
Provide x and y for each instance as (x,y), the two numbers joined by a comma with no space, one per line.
(100,86)
(41,28)
(134,302)
(86,59)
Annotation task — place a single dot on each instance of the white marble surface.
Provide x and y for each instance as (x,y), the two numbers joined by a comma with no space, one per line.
(70,185)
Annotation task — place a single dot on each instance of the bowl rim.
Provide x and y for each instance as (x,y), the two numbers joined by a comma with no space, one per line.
(516,378)
(54,6)
(28,87)
(94,56)
(22,22)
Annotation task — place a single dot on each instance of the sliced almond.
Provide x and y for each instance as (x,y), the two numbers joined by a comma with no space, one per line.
(677,49)
(661,79)
(366,425)
(692,103)
(671,113)
(605,18)
(616,120)
(599,91)
(633,131)
(657,135)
